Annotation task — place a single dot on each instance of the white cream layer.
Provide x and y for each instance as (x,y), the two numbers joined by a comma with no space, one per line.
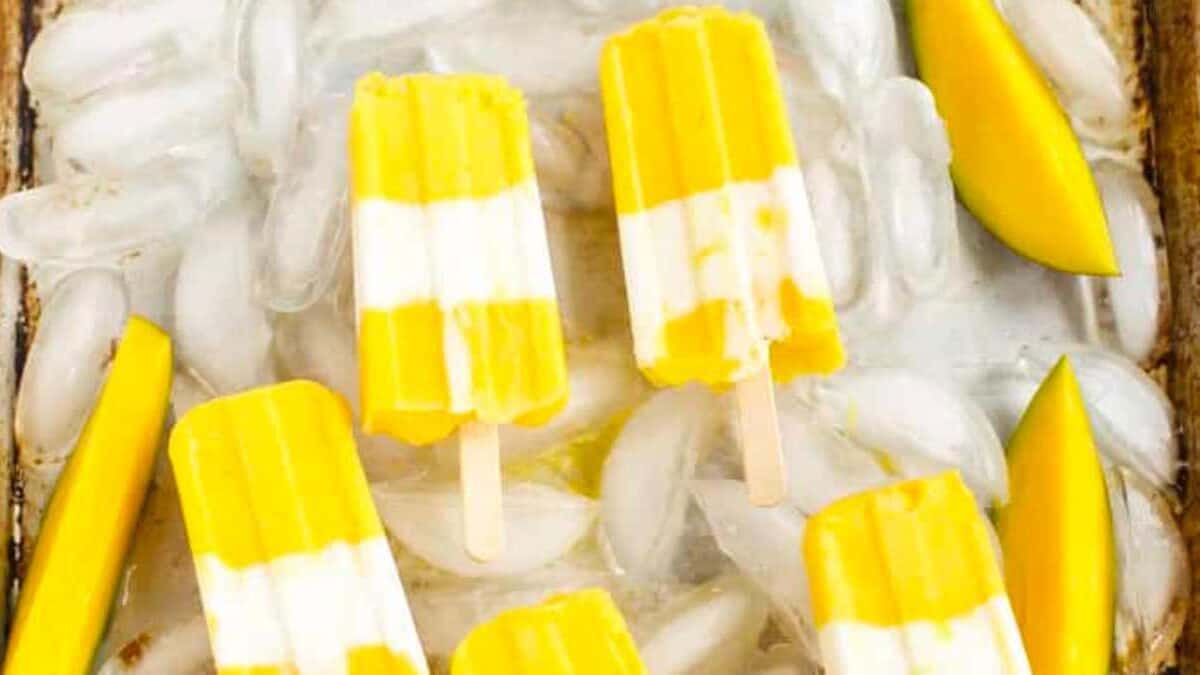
(308,610)
(736,243)
(453,251)
(983,642)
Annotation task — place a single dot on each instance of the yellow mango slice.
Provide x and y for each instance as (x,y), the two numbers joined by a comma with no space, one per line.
(1056,533)
(66,596)
(1016,161)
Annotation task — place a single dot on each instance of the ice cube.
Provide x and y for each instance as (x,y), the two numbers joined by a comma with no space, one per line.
(644,490)
(221,333)
(150,275)
(712,630)
(341,20)
(850,44)
(306,226)
(75,341)
(1079,61)
(838,205)
(124,128)
(907,157)
(183,649)
(268,40)
(822,464)
(87,218)
(1132,420)
(1152,587)
(542,525)
(917,425)
(1134,224)
(76,54)
(445,611)
(604,383)
(764,543)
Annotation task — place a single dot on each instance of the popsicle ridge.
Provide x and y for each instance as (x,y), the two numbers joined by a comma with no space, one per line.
(293,565)
(717,235)
(904,579)
(457,312)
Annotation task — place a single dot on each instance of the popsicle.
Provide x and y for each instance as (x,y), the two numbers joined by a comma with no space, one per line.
(582,633)
(457,315)
(76,568)
(723,274)
(294,569)
(904,580)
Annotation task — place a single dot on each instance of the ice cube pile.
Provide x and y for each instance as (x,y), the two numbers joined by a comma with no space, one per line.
(192,165)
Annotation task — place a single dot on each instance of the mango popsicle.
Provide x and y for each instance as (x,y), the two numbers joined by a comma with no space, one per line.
(457,316)
(294,569)
(77,564)
(904,580)
(722,267)
(582,633)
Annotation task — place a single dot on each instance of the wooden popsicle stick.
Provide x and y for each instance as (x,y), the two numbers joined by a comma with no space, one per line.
(479,480)
(762,448)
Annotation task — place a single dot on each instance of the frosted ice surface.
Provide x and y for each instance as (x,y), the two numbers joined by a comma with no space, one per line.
(80,327)
(88,219)
(77,55)
(644,490)
(604,383)
(783,660)
(823,465)
(541,525)
(764,543)
(907,157)
(220,331)
(712,630)
(585,253)
(917,426)
(1134,298)
(850,44)
(307,226)
(127,127)
(1152,593)
(268,41)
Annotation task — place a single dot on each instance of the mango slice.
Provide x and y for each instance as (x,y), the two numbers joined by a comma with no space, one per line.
(1016,162)
(1057,536)
(65,600)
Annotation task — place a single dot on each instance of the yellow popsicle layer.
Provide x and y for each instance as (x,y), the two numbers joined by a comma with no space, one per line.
(581,633)
(77,563)
(375,660)
(694,344)
(511,347)
(916,551)
(692,103)
(269,473)
(426,138)
(1057,536)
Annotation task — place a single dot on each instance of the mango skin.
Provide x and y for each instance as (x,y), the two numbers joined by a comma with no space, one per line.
(1057,535)
(1016,163)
